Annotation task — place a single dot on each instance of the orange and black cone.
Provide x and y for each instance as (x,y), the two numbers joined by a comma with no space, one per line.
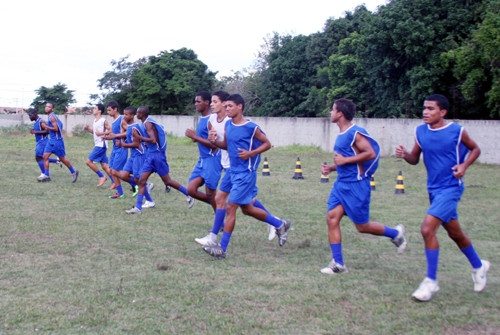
(265,168)
(324,178)
(372,183)
(400,187)
(298,170)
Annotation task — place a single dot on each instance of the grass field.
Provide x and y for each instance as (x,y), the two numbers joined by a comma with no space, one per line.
(72,261)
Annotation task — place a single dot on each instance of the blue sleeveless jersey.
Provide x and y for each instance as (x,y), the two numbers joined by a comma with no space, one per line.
(242,136)
(202,131)
(116,128)
(161,144)
(442,149)
(128,139)
(57,135)
(344,145)
(38,127)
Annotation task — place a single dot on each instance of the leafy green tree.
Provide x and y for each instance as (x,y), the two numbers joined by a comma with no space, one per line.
(284,83)
(476,64)
(167,82)
(116,83)
(59,94)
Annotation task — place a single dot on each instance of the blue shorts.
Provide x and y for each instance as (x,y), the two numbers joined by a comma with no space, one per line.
(244,187)
(155,161)
(98,154)
(209,169)
(118,158)
(354,197)
(56,147)
(225,184)
(444,202)
(40,148)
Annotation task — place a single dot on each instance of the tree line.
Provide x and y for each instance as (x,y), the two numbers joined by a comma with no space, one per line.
(385,61)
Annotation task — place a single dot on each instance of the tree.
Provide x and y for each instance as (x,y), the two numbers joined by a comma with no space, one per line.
(117,82)
(476,65)
(167,82)
(284,82)
(59,95)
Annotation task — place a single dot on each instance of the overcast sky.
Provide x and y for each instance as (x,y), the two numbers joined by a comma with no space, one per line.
(73,42)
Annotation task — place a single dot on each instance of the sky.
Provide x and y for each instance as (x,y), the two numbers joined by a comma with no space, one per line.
(44,43)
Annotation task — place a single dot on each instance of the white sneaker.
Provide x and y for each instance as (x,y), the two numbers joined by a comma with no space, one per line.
(42,177)
(190,201)
(272,232)
(479,276)
(400,240)
(426,289)
(334,268)
(209,240)
(149,187)
(148,204)
(133,210)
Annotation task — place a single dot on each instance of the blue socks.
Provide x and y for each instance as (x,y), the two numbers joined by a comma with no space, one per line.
(472,256)
(432,262)
(183,190)
(100,174)
(225,240)
(337,253)
(220,214)
(390,232)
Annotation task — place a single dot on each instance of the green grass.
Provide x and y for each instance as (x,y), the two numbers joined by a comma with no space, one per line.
(72,261)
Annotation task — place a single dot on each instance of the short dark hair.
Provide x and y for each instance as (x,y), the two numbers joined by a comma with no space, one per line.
(347,107)
(144,110)
(223,95)
(32,111)
(113,104)
(130,109)
(440,100)
(206,96)
(100,107)
(50,102)
(237,99)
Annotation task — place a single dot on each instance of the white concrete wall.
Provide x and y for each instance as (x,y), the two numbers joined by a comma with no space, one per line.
(318,132)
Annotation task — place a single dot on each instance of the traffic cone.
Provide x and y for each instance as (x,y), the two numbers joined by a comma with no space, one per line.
(324,178)
(372,183)
(298,170)
(265,168)
(400,187)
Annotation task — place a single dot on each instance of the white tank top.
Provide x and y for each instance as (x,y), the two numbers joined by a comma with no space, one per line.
(220,128)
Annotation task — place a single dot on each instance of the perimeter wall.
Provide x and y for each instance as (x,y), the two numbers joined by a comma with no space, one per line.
(318,132)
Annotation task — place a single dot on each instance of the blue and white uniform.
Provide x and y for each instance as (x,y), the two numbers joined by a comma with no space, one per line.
(41,139)
(155,159)
(55,144)
(243,172)
(352,187)
(225,184)
(118,156)
(136,158)
(208,166)
(442,149)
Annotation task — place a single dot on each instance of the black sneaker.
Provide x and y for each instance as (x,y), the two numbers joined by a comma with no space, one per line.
(282,232)
(215,251)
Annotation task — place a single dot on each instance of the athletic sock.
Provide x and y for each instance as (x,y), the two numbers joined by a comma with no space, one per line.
(273,220)
(432,262)
(71,169)
(138,203)
(183,190)
(472,256)
(224,242)
(390,232)
(99,173)
(337,253)
(119,189)
(40,164)
(220,214)
(53,160)
(147,195)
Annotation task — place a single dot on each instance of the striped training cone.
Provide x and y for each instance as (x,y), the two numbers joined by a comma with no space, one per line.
(265,168)
(400,187)
(372,183)
(324,178)
(298,170)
